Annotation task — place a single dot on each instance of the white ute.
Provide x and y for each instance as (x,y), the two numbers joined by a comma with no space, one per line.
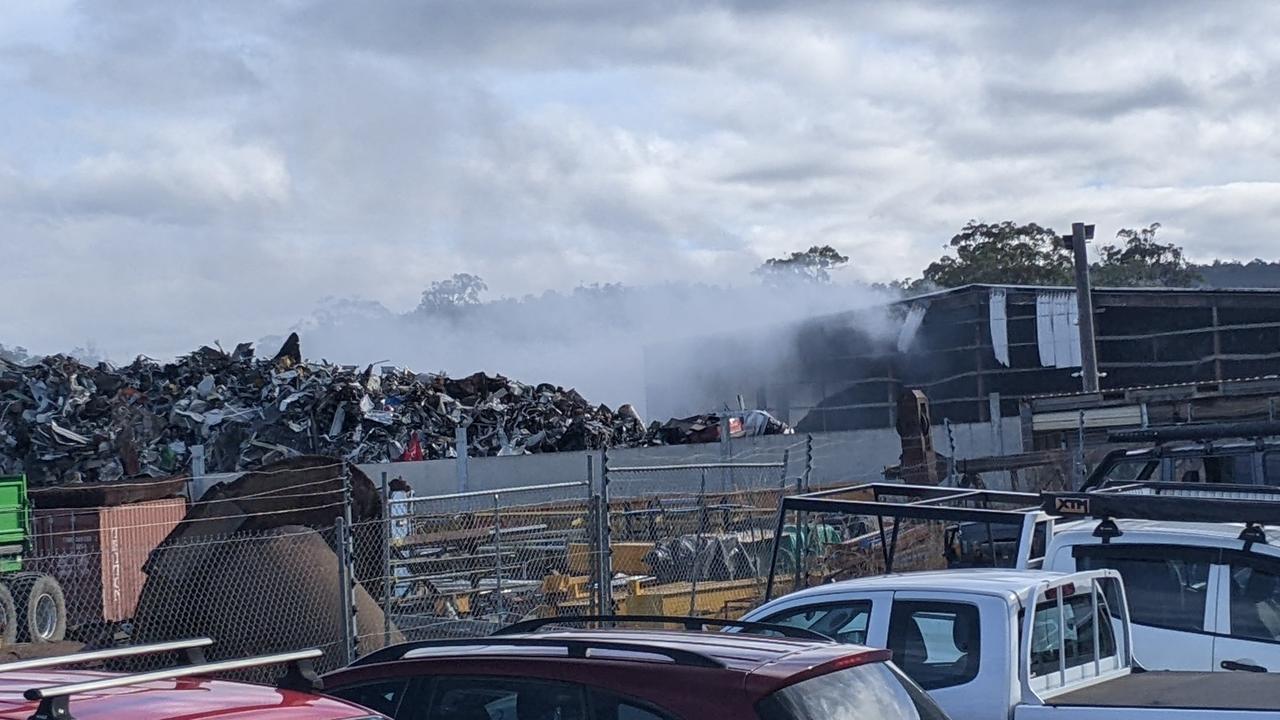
(993,643)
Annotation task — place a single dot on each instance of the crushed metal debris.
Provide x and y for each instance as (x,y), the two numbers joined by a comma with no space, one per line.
(63,422)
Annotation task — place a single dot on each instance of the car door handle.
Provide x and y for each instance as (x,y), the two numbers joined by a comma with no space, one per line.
(1239,666)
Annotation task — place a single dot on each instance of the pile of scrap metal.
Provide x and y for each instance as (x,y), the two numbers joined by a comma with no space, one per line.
(706,428)
(63,422)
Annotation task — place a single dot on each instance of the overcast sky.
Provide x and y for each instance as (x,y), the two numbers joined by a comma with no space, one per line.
(177,172)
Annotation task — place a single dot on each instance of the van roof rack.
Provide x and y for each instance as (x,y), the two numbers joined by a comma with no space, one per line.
(55,700)
(1200,432)
(693,624)
(194,650)
(576,648)
(1253,505)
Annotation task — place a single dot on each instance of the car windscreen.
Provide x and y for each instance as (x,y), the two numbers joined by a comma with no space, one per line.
(877,691)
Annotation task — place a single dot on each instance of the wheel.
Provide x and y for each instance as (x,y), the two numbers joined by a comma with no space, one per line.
(8,617)
(41,615)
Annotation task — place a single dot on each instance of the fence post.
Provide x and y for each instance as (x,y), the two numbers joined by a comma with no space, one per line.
(808,460)
(389,584)
(606,546)
(344,589)
(497,556)
(1080,469)
(346,569)
(698,549)
(951,453)
(777,540)
(593,537)
(726,453)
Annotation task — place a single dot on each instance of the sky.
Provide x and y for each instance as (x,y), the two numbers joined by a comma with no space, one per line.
(177,172)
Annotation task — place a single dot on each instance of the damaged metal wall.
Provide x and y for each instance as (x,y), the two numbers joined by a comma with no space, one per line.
(839,375)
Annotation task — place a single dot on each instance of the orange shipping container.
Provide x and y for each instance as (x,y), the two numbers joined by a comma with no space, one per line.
(97,553)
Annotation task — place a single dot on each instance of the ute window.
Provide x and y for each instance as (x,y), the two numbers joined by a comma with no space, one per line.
(877,691)
(1123,471)
(1255,600)
(843,622)
(1166,586)
(1068,637)
(935,643)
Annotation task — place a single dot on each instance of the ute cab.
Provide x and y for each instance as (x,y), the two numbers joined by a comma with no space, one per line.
(1021,644)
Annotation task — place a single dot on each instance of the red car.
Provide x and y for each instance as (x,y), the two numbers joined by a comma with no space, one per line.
(43,690)
(557,674)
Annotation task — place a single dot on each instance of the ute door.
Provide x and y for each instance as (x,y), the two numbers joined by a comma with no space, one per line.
(1172,600)
(940,641)
(1248,637)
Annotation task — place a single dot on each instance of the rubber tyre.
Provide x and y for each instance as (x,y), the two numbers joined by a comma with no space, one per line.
(39,601)
(8,617)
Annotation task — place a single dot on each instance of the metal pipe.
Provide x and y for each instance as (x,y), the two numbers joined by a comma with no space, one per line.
(110,654)
(505,491)
(168,674)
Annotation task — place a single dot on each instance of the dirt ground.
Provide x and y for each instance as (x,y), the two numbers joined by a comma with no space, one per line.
(27,651)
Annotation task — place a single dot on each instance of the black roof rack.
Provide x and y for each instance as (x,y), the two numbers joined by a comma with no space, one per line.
(689,623)
(55,700)
(194,649)
(576,648)
(1171,502)
(922,502)
(1201,432)
(900,501)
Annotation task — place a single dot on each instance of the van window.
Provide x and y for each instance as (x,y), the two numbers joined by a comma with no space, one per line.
(864,692)
(1066,639)
(937,644)
(1166,586)
(844,622)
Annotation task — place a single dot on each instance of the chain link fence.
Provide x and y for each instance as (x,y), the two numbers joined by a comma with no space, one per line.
(325,557)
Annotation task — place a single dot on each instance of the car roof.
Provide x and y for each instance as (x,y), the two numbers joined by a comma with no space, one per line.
(191,698)
(767,662)
(1222,535)
(1008,584)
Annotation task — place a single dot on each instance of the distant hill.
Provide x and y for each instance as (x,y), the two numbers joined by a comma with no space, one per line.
(1255,274)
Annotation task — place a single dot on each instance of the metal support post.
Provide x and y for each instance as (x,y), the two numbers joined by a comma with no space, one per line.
(389,583)
(1080,470)
(1080,235)
(461,450)
(802,544)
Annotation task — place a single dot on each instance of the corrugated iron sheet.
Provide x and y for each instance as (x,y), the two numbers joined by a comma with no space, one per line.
(97,553)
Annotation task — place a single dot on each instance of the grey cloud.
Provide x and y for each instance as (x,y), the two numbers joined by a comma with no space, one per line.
(1104,104)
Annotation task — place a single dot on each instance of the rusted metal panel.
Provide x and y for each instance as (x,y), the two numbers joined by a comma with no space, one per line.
(128,534)
(97,553)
